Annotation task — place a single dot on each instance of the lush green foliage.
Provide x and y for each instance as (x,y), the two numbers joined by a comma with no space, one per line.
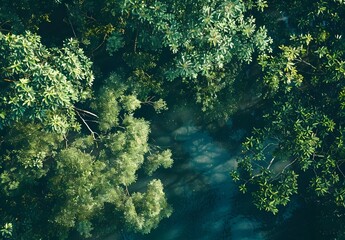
(55,177)
(73,142)
(303,134)
(199,47)
(42,85)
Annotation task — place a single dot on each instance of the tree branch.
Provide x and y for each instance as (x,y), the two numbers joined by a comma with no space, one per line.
(100,45)
(90,17)
(268,167)
(302,61)
(268,146)
(84,111)
(70,23)
(340,170)
(94,121)
(8,80)
(127,192)
(87,125)
(288,165)
(252,177)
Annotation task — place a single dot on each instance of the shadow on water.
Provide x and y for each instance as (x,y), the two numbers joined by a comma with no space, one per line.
(207,205)
(199,186)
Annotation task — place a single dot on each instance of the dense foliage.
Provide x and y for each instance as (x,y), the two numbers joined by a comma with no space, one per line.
(300,148)
(198,47)
(75,76)
(41,85)
(53,174)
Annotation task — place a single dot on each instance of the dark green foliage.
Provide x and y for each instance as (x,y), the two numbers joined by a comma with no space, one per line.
(20,16)
(114,43)
(198,47)
(303,130)
(62,163)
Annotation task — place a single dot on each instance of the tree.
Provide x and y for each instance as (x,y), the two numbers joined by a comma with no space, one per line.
(40,84)
(73,145)
(55,178)
(302,140)
(23,15)
(198,47)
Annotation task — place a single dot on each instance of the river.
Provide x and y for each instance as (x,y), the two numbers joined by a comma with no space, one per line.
(207,204)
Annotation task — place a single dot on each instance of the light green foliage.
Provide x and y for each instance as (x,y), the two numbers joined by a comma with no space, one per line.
(26,151)
(144,211)
(113,97)
(6,230)
(40,84)
(132,153)
(154,161)
(108,103)
(160,105)
(130,103)
(126,146)
(76,176)
(125,151)
(53,180)
(56,181)
(71,180)
(24,156)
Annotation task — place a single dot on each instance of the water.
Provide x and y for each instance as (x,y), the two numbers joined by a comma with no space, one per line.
(206,202)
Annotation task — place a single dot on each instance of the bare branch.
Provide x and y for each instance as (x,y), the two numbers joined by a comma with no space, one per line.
(101,44)
(127,192)
(288,165)
(252,177)
(87,112)
(94,121)
(270,144)
(340,170)
(87,125)
(280,173)
(8,80)
(268,167)
(90,17)
(2,24)
(70,23)
(307,63)
(66,141)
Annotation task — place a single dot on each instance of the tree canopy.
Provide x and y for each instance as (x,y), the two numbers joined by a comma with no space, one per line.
(55,174)
(300,148)
(76,77)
